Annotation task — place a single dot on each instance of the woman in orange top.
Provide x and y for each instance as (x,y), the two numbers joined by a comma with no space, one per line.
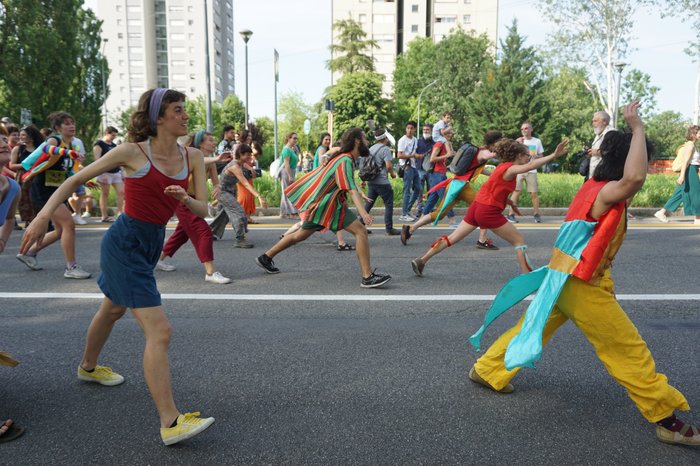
(486,212)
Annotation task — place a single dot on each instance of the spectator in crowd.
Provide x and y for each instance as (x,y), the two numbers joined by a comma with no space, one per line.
(534,145)
(689,154)
(380,185)
(438,173)
(111,178)
(601,127)
(439,130)
(425,148)
(409,158)
(290,161)
(46,132)
(324,145)
(29,139)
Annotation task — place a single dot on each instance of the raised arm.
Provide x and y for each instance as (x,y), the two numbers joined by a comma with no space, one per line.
(238,173)
(635,170)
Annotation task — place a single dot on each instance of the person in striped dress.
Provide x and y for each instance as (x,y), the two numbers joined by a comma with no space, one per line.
(322,195)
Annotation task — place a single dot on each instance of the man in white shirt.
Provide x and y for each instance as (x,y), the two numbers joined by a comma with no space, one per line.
(409,160)
(530,178)
(601,127)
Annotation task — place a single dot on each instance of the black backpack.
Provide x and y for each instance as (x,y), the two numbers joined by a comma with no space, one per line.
(464,159)
(369,168)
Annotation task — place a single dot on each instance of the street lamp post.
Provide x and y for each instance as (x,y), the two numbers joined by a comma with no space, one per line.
(104,87)
(419,97)
(619,66)
(245,34)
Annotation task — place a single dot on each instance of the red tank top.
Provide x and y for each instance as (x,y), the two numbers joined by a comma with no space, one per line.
(607,235)
(496,190)
(144,198)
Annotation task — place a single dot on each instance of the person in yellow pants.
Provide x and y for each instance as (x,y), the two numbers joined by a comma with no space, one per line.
(586,296)
(596,312)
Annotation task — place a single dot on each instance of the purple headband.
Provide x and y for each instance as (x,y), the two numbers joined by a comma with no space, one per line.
(154,105)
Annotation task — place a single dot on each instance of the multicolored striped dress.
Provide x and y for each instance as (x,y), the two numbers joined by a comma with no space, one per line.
(322,193)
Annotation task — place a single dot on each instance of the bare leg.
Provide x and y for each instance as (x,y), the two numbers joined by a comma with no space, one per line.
(156,364)
(119,189)
(424,220)
(209,267)
(340,236)
(292,229)
(462,231)
(359,231)
(535,203)
(65,231)
(99,330)
(513,197)
(287,241)
(483,234)
(104,199)
(511,234)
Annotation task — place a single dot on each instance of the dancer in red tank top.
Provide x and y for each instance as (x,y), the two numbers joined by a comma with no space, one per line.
(157,170)
(486,212)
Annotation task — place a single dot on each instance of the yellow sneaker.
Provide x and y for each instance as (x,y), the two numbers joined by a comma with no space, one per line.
(188,425)
(102,375)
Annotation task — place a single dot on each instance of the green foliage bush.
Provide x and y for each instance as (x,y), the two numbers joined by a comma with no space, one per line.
(556,190)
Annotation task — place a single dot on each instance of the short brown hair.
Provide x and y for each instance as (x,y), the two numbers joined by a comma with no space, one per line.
(140,124)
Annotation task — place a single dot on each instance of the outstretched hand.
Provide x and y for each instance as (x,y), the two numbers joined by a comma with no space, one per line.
(561,148)
(632,117)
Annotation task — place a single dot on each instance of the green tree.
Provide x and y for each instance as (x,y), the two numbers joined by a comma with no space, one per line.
(637,86)
(350,49)
(571,107)
(414,72)
(594,34)
(667,131)
(197,111)
(123,120)
(232,112)
(510,92)
(358,98)
(293,112)
(457,63)
(54,63)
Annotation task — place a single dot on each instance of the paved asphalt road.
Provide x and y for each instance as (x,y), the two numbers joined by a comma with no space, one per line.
(342,380)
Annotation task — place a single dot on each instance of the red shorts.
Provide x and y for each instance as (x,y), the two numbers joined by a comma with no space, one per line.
(485,216)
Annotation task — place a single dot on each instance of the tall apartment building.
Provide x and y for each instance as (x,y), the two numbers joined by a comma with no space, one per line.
(395,23)
(161,43)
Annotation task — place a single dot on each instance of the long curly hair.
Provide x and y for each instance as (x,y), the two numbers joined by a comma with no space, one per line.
(508,150)
(140,124)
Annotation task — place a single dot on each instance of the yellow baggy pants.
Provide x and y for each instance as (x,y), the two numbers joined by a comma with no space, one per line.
(596,312)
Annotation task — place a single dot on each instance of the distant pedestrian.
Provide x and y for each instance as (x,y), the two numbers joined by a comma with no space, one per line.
(409,159)
(536,150)
(322,196)
(380,186)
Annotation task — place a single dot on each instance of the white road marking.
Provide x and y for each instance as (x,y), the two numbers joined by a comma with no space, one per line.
(332,297)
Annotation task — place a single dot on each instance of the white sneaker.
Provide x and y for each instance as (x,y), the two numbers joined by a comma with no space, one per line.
(76,272)
(216,277)
(407,218)
(696,222)
(86,215)
(165,267)
(661,215)
(78,220)
(29,261)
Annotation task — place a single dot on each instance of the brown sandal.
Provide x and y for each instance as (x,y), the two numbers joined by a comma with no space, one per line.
(10,431)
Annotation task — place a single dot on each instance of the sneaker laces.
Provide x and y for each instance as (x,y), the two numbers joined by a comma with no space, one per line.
(191,417)
(104,369)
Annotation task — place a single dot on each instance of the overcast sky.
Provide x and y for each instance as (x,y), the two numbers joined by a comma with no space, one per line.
(302,36)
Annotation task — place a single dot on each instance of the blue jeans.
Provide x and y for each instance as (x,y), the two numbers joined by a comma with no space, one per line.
(387,194)
(411,189)
(433,198)
(422,181)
